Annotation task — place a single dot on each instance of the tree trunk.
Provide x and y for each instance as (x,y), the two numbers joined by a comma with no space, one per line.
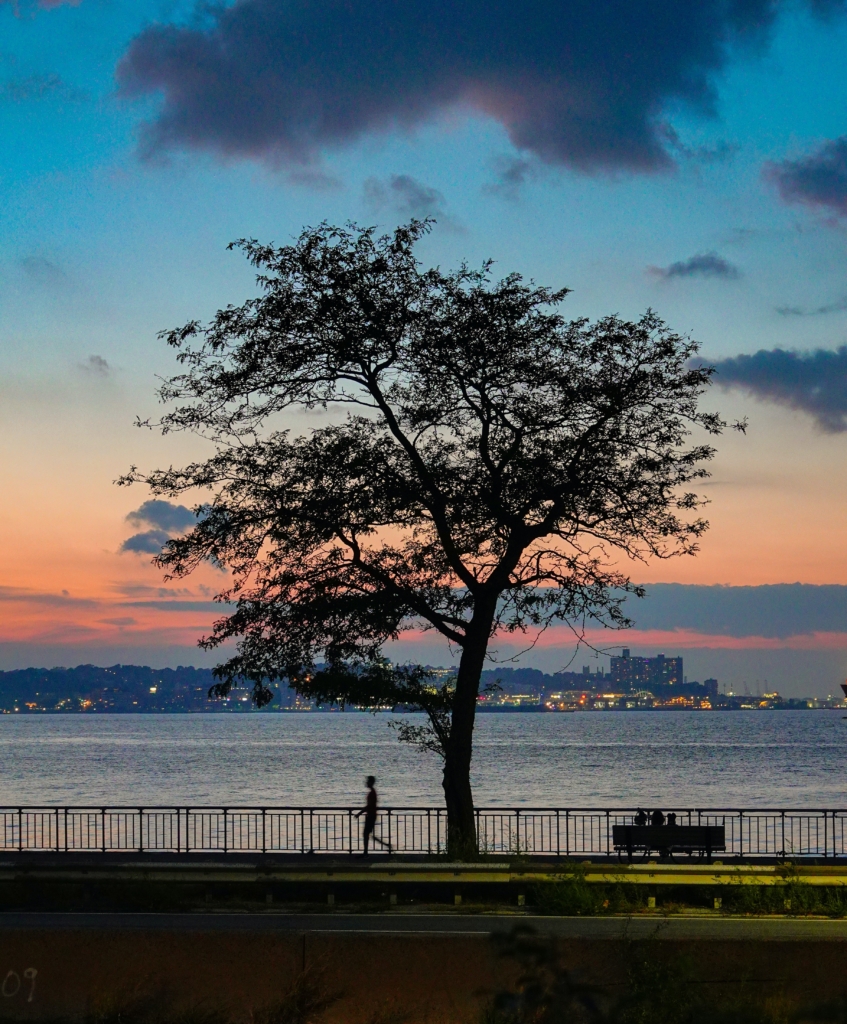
(461,821)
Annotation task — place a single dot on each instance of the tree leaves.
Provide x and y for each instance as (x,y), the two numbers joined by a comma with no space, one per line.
(496,466)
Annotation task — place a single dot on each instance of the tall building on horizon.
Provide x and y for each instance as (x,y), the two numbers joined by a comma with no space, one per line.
(629,674)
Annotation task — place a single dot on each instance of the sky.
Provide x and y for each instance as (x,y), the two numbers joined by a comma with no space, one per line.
(691,158)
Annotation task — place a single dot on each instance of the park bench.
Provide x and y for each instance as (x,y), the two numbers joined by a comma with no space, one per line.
(668,839)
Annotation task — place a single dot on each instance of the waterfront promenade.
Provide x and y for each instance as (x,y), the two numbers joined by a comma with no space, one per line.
(768,834)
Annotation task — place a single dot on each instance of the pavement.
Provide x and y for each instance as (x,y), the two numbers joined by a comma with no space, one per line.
(716,928)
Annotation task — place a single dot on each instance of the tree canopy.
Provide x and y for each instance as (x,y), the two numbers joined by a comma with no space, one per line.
(475,465)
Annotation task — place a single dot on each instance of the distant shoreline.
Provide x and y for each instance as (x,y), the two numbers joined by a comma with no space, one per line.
(529,710)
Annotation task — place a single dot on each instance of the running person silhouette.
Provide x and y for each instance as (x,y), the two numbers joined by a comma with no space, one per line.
(369,811)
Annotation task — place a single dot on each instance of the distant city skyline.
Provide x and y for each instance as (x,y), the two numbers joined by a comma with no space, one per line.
(632,684)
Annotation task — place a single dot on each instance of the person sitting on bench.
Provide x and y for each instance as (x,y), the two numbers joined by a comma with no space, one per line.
(640,818)
(657,818)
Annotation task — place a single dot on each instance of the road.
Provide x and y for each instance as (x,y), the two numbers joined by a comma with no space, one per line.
(401,923)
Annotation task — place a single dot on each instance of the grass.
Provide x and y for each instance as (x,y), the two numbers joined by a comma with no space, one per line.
(791,895)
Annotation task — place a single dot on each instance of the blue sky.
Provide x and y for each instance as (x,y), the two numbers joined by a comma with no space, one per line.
(720,207)
(133,244)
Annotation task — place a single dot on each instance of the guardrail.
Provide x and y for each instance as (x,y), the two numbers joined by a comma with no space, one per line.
(574,832)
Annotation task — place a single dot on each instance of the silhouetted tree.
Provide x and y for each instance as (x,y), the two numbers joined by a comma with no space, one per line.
(473,464)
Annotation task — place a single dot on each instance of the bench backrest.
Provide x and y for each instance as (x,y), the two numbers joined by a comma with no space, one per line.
(713,836)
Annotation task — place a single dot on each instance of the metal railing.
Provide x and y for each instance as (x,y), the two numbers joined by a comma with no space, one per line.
(568,832)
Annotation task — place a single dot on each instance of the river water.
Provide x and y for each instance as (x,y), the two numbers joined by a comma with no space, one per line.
(774,759)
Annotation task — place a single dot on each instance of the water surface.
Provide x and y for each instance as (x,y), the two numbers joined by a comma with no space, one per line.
(730,759)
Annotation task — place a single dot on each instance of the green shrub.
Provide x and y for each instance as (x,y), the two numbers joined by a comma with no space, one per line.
(570,894)
(791,895)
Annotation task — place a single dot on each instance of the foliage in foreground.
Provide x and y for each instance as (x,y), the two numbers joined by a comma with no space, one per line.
(657,985)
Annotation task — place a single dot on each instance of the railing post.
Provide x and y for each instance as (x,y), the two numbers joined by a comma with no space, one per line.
(225,832)
(302,830)
(103,827)
(825,845)
(567,833)
(389,829)
(428,832)
(141,830)
(350,829)
(782,851)
(20,830)
(264,839)
(608,834)
(558,836)
(58,847)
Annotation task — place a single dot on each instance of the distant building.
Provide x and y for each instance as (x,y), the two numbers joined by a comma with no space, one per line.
(660,673)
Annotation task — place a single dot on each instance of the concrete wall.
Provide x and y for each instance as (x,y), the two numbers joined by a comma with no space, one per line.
(355,978)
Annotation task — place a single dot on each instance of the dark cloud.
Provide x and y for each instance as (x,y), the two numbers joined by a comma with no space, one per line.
(512,174)
(839,306)
(819,179)
(707,264)
(55,600)
(164,520)
(826,8)
(406,195)
(575,82)
(815,382)
(777,611)
(145,590)
(96,366)
(700,154)
(150,542)
(163,515)
(182,606)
